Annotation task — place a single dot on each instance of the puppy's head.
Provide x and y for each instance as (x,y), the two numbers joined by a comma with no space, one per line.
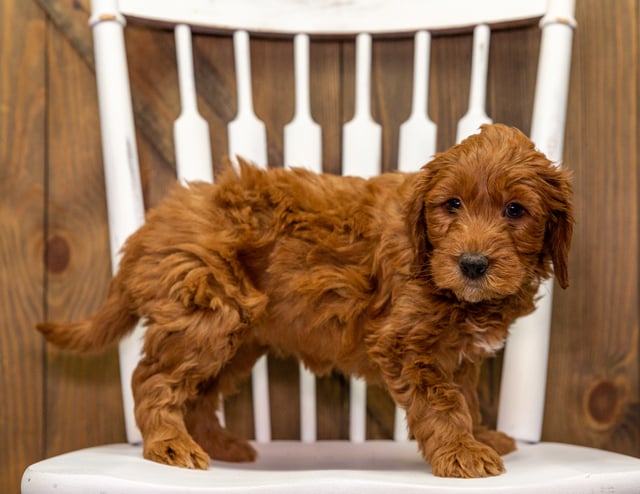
(491,216)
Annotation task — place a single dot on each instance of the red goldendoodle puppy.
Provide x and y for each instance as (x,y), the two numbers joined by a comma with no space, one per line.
(404,279)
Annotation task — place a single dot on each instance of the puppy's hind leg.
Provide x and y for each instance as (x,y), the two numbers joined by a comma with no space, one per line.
(202,420)
(184,347)
(159,402)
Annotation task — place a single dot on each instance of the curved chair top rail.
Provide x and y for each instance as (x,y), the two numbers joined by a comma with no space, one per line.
(331,17)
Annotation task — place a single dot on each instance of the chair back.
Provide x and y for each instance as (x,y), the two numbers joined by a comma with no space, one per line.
(302,23)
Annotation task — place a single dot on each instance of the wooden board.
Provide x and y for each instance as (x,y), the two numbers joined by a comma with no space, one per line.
(22,195)
(82,399)
(594,369)
(593,396)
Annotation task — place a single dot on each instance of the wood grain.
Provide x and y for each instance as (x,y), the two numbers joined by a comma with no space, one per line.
(83,392)
(22,185)
(326,69)
(593,393)
(391,94)
(593,396)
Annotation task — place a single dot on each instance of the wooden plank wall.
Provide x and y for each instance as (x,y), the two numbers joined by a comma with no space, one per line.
(53,237)
(22,233)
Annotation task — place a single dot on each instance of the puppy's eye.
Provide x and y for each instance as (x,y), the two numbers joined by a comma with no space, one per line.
(514,210)
(452,204)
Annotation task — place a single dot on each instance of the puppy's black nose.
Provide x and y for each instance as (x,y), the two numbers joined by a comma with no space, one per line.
(473,266)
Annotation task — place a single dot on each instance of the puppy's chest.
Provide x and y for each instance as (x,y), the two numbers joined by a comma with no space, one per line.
(478,340)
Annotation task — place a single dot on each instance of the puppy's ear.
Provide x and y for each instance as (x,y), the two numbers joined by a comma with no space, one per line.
(416,217)
(560,224)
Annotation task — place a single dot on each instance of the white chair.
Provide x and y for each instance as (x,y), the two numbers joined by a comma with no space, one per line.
(308,465)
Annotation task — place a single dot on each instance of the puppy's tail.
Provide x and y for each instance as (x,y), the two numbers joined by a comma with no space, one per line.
(112,321)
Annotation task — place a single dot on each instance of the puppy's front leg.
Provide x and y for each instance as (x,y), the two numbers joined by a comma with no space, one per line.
(421,378)
(467,377)
(439,417)
(438,414)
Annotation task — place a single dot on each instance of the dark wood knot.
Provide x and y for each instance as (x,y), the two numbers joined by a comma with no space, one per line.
(57,254)
(603,403)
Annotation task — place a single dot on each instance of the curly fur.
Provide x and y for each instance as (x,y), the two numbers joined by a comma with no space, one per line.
(362,276)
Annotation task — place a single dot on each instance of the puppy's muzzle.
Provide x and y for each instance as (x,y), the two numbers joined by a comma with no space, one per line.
(473,266)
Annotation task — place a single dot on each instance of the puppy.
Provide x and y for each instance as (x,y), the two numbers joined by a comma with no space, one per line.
(407,280)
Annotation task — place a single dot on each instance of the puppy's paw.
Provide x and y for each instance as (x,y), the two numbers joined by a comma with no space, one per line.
(237,451)
(179,452)
(499,441)
(466,459)
(224,446)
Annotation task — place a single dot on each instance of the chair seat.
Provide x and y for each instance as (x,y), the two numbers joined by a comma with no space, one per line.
(332,466)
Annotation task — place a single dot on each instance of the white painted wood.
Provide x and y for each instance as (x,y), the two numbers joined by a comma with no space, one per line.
(416,146)
(334,18)
(122,177)
(361,155)
(417,143)
(400,430)
(524,370)
(476,115)
(374,467)
(552,81)
(190,130)
(303,148)
(308,411)
(302,136)
(261,402)
(357,410)
(362,136)
(247,134)
(248,139)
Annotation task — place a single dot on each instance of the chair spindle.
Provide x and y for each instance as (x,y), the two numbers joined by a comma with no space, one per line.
(476,114)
